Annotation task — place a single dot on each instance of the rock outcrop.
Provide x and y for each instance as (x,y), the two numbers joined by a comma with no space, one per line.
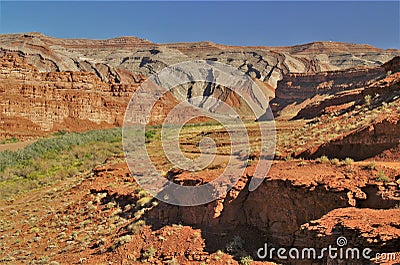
(380,234)
(296,206)
(35,102)
(361,144)
(294,88)
(284,201)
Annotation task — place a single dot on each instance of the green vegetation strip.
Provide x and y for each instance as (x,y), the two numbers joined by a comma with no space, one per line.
(55,158)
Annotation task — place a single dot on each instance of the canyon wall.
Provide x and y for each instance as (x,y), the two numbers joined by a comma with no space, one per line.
(297,205)
(361,144)
(80,84)
(34,103)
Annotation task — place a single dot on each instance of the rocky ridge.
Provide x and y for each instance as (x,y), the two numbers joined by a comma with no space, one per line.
(107,58)
(99,76)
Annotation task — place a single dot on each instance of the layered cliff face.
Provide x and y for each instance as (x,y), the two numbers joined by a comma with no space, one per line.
(299,205)
(90,81)
(370,111)
(56,100)
(285,201)
(341,86)
(35,103)
(107,58)
(361,144)
(382,229)
(295,88)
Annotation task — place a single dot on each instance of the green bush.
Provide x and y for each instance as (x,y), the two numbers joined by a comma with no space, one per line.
(381,176)
(218,254)
(335,161)
(288,158)
(124,239)
(149,253)
(367,100)
(144,201)
(150,134)
(323,160)
(348,161)
(9,140)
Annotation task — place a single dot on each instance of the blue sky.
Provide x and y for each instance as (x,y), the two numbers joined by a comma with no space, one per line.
(235,23)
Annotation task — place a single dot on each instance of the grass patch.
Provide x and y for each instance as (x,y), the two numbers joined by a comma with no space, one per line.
(9,140)
(55,158)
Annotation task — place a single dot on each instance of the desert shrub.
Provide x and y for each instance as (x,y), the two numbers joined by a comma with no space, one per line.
(124,239)
(288,158)
(34,230)
(136,227)
(144,201)
(250,162)
(149,253)
(143,193)
(335,161)
(302,164)
(381,176)
(150,134)
(110,205)
(9,140)
(246,260)
(323,160)
(370,166)
(218,254)
(139,214)
(367,99)
(60,132)
(348,161)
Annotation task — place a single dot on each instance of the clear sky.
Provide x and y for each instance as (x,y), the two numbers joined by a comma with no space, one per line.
(235,23)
